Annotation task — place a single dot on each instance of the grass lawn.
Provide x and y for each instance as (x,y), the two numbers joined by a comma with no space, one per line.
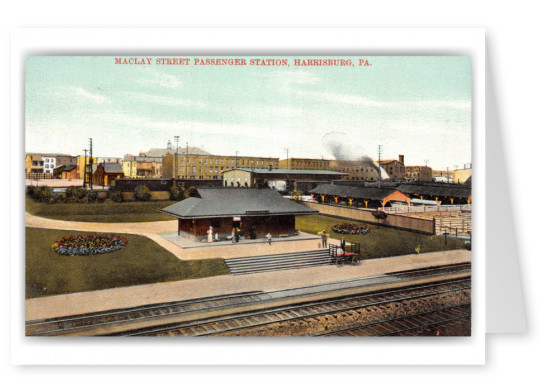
(380,241)
(107,212)
(142,261)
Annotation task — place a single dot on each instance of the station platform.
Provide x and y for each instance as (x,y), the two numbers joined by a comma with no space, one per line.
(116,298)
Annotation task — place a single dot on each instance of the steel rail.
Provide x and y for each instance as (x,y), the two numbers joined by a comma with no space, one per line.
(285,313)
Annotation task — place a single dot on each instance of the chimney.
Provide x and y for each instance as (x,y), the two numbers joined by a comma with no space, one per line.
(401,158)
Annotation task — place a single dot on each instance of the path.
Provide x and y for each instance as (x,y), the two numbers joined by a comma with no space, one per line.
(155,230)
(108,299)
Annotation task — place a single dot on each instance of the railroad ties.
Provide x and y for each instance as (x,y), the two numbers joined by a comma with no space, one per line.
(413,302)
(275,262)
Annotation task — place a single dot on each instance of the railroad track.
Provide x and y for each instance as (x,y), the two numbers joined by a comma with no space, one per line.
(408,324)
(161,318)
(308,312)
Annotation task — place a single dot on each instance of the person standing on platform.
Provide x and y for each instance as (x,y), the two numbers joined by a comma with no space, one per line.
(323,239)
(269,238)
(233,235)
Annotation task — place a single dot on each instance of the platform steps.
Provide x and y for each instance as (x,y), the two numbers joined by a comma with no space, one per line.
(275,262)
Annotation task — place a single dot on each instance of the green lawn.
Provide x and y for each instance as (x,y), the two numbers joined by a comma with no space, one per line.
(380,241)
(142,261)
(106,212)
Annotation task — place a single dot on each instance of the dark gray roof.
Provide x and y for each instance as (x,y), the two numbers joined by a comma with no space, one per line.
(112,168)
(236,202)
(290,171)
(69,167)
(436,189)
(368,193)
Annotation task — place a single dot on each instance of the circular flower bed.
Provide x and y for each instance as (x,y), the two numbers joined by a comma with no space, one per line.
(88,245)
(350,229)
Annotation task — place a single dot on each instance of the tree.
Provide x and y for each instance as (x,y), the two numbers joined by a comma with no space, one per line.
(142,193)
(379,215)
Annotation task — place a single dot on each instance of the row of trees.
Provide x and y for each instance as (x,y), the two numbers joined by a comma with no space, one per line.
(81,195)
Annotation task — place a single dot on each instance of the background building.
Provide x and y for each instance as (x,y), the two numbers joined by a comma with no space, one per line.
(462,175)
(281,179)
(210,166)
(106,173)
(394,168)
(356,170)
(80,164)
(304,164)
(142,166)
(418,173)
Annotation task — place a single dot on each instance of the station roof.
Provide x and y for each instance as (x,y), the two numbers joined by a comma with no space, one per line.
(287,171)
(227,202)
(368,193)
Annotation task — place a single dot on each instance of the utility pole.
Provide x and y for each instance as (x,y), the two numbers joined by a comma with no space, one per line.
(85,171)
(91,162)
(287,149)
(177,138)
(380,148)
(185,163)
(426,163)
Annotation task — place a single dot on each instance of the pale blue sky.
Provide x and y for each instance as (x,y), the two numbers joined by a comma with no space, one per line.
(416,106)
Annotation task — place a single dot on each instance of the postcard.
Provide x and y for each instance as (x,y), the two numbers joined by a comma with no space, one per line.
(248,195)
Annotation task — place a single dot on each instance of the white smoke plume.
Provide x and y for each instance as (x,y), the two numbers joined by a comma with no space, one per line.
(342,147)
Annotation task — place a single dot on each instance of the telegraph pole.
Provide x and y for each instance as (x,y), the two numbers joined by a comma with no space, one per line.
(177,138)
(91,162)
(380,151)
(85,171)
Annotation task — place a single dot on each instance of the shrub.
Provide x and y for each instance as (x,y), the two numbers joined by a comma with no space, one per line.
(115,195)
(60,198)
(91,196)
(43,194)
(142,193)
(379,214)
(76,192)
(179,192)
(30,191)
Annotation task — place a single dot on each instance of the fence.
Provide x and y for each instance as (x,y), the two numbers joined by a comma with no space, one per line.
(396,221)
(38,175)
(427,208)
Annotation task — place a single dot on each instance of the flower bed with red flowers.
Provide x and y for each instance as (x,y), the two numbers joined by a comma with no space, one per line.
(89,244)
(350,229)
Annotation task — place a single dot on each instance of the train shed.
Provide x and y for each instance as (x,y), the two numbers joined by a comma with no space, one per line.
(443,193)
(358,196)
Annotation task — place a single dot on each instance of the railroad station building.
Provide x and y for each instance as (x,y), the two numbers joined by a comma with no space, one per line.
(356,196)
(256,212)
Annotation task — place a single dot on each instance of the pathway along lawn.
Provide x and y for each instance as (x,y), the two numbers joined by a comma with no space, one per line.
(380,242)
(142,261)
(101,212)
